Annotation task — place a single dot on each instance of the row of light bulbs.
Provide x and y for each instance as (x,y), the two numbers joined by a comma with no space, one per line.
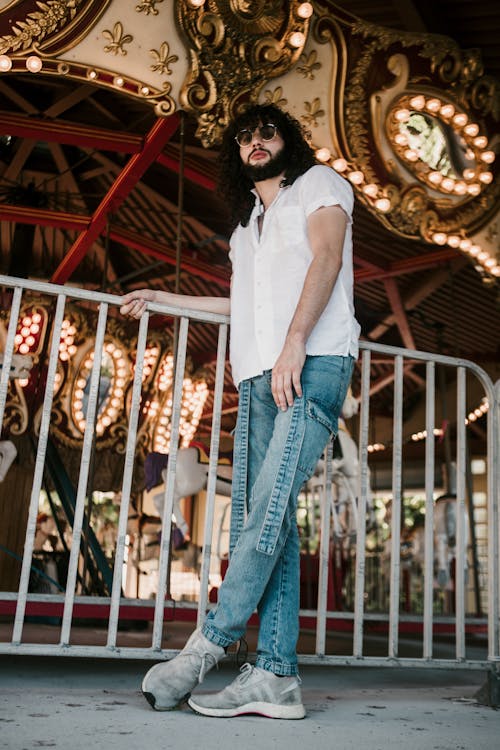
(357,177)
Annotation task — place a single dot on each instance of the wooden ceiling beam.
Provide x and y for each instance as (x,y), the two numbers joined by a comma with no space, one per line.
(158,136)
(69,133)
(394,297)
(406,265)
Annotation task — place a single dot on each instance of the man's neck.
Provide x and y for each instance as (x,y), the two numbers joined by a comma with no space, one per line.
(268,189)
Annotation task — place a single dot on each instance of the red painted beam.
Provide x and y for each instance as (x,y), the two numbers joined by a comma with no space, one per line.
(159,135)
(406,265)
(69,133)
(43,217)
(189,173)
(189,261)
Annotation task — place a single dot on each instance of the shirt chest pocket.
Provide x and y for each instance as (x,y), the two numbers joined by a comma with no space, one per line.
(291,228)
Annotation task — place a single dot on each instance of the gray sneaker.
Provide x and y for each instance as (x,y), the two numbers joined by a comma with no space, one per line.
(254,691)
(168,683)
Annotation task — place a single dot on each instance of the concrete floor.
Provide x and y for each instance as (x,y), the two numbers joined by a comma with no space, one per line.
(76,704)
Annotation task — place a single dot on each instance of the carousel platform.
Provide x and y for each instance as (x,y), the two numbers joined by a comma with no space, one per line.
(71,704)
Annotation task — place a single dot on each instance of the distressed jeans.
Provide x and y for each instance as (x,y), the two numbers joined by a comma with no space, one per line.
(275,452)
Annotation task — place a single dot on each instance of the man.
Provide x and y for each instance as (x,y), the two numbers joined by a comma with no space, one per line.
(293,344)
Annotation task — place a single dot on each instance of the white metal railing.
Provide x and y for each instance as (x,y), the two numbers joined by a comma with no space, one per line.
(117,604)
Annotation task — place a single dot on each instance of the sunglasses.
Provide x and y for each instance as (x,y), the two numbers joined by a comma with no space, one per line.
(267,132)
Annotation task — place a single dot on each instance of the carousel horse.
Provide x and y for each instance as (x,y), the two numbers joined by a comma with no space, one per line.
(8,453)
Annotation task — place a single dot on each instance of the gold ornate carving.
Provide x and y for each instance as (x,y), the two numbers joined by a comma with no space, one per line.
(275,97)
(313,111)
(148,6)
(162,59)
(309,64)
(235,47)
(117,39)
(52,16)
(437,67)
(53,28)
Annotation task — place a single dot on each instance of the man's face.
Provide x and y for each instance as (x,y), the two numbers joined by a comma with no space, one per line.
(263,157)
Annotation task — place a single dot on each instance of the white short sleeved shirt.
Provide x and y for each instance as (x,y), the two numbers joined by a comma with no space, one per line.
(269,272)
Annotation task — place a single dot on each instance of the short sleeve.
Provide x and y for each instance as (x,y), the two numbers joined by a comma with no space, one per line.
(322,186)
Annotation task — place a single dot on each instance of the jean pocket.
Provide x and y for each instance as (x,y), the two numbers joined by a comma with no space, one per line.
(321,425)
(320,413)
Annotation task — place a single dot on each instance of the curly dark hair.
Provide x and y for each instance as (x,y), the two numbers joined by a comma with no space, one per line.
(234,185)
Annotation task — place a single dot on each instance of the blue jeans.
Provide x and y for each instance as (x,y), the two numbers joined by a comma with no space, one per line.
(275,452)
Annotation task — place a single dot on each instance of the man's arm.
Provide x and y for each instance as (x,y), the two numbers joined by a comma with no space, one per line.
(326,230)
(133,303)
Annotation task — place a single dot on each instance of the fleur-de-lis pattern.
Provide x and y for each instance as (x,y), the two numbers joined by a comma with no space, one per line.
(313,111)
(275,97)
(309,63)
(148,6)
(117,39)
(162,60)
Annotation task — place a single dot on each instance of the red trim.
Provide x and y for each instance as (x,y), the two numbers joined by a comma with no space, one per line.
(189,173)
(43,217)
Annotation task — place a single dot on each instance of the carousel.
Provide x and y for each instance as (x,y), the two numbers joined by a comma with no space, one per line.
(111,115)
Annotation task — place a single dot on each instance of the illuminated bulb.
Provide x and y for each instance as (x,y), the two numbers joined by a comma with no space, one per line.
(297,39)
(144,91)
(439,238)
(489,263)
(24,348)
(18,339)
(305,10)
(465,245)
(323,154)
(435,178)
(460,188)
(5,63)
(411,155)
(488,157)
(471,129)
(481,141)
(469,154)
(118,81)
(340,165)
(460,120)
(401,139)
(447,110)
(495,271)
(474,189)
(402,115)
(418,102)
(356,177)
(474,250)
(482,256)
(469,174)
(196,3)
(34,64)
(448,184)
(486,177)
(92,74)
(37,318)
(433,105)
(370,190)
(383,204)
(454,240)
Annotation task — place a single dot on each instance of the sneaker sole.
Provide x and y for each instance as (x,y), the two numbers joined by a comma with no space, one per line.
(269,710)
(152,701)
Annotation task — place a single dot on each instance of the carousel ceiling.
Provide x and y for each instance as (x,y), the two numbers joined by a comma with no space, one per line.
(110,115)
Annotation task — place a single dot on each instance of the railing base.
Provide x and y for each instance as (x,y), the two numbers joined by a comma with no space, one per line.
(489,693)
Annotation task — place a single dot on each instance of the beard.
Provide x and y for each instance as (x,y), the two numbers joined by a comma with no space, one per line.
(275,166)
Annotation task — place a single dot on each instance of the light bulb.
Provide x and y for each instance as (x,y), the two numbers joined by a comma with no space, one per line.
(454,240)
(297,39)
(371,190)
(486,177)
(418,102)
(305,10)
(411,155)
(402,115)
(323,154)
(469,174)
(460,120)
(471,129)
(356,177)
(383,205)
(439,238)
(433,105)
(435,177)
(340,165)
(448,184)
(5,63)
(447,110)
(474,189)
(481,141)
(488,157)
(34,64)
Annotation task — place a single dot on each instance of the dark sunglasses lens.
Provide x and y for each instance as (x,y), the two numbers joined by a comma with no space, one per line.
(268,132)
(244,137)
